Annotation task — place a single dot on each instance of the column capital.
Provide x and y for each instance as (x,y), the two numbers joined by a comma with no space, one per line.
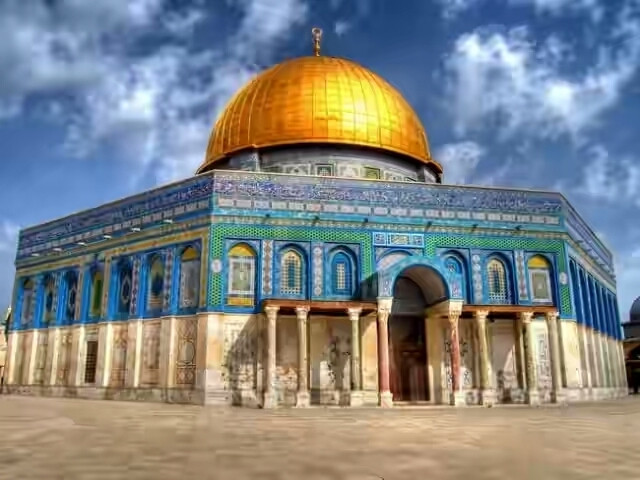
(384,308)
(302,312)
(526,317)
(481,315)
(271,311)
(354,314)
(453,319)
(552,316)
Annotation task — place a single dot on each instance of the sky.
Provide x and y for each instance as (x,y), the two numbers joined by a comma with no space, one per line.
(105,98)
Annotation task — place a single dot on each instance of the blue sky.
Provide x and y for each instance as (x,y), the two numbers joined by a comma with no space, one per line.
(100,99)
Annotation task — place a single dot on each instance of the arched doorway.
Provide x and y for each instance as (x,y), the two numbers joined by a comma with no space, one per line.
(416,288)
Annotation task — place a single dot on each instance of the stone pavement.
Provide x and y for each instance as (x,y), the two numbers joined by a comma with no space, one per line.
(81,439)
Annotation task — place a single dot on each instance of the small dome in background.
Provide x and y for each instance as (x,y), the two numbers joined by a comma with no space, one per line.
(634,313)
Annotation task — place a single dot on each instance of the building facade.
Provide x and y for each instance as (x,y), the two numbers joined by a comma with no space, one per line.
(316,258)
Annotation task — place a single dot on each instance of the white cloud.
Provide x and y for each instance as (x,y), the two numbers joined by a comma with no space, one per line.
(459,161)
(155,110)
(8,236)
(453,8)
(341,27)
(507,82)
(609,179)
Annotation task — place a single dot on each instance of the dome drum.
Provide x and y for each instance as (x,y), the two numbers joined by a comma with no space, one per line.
(328,160)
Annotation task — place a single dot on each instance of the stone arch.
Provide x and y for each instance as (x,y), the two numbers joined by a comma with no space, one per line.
(428,274)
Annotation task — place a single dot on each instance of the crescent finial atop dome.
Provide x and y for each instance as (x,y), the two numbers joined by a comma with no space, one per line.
(316,33)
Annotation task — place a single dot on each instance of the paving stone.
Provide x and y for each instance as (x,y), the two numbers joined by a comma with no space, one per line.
(45,438)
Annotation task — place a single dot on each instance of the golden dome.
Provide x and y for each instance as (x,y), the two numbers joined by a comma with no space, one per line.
(318,100)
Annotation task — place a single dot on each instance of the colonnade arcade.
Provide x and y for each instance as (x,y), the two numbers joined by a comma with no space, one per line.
(409,363)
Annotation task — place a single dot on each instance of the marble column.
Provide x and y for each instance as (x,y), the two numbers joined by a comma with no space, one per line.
(457,397)
(356,397)
(270,396)
(303,397)
(488,393)
(533,396)
(557,395)
(384,310)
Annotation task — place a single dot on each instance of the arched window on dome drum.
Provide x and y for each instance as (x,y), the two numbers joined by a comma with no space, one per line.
(48,311)
(155,283)
(498,282)
(124,290)
(95,296)
(189,288)
(291,273)
(71,296)
(342,277)
(540,279)
(241,279)
(26,305)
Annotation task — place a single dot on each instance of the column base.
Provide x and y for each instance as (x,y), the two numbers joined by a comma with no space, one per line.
(558,397)
(533,397)
(303,399)
(270,400)
(488,397)
(458,399)
(386,399)
(356,398)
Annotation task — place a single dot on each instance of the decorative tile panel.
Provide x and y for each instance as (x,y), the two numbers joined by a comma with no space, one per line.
(79,299)
(267,263)
(317,268)
(398,239)
(521,276)
(476,276)
(135,286)
(150,371)
(151,207)
(283,234)
(168,279)
(186,336)
(119,356)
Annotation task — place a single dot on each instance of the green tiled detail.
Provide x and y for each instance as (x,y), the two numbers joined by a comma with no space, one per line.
(506,243)
(283,233)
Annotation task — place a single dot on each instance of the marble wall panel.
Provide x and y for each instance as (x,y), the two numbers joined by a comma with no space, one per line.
(542,355)
(286,359)
(240,353)
(571,354)
(369,355)
(503,357)
(330,358)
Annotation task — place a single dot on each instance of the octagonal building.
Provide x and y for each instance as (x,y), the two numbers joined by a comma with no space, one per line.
(316,258)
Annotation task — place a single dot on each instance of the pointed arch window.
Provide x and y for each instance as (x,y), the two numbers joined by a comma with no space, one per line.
(48,310)
(291,273)
(26,315)
(71,296)
(540,279)
(95,296)
(342,278)
(497,282)
(242,276)
(125,276)
(155,285)
(189,287)
(455,271)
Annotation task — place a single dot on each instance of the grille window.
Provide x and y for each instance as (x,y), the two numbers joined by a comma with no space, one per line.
(90,362)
